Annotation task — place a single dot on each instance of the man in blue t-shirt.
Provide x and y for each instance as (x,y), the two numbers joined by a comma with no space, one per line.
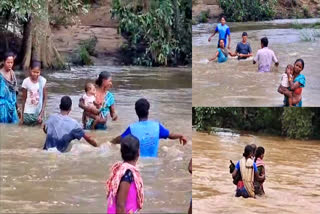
(62,129)
(224,32)
(148,132)
(243,50)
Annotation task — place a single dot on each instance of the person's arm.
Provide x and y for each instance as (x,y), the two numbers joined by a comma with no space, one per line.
(258,177)
(113,114)
(24,98)
(90,140)
(116,140)
(44,128)
(45,97)
(274,58)
(181,138)
(122,196)
(87,108)
(234,173)
(256,58)
(216,30)
(293,85)
(217,54)
(190,166)
(229,40)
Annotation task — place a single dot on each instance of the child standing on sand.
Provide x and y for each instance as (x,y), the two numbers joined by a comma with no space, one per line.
(125,185)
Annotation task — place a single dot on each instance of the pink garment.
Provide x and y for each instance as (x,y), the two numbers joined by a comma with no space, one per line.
(259,162)
(131,203)
(135,196)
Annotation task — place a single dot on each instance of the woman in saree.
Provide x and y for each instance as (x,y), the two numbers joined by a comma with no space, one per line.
(8,91)
(105,99)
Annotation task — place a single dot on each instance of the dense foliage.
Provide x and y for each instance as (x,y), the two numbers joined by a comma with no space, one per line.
(299,123)
(158,31)
(248,10)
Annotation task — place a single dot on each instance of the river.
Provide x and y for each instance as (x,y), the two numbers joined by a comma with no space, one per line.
(33,180)
(292,174)
(237,83)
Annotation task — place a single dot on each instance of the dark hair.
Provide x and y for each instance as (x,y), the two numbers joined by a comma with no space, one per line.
(265,41)
(244,34)
(129,147)
(302,62)
(259,152)
(9,54)
(247,151)
(142,108)
(103,75)
(35,64)
(254,148)
(65,103)
(219,43)
(88,86)
(222,17)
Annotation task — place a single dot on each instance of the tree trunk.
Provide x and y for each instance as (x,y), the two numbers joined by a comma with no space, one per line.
(38,43)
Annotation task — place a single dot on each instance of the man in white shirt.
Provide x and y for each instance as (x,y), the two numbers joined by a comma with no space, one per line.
(265,56)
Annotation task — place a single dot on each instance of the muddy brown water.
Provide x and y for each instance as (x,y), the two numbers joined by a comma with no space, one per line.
(237,83)
(292,174)
(33,180)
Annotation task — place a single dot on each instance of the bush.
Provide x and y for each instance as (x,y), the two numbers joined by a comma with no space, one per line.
(82,55)
(248,10)
(204,16)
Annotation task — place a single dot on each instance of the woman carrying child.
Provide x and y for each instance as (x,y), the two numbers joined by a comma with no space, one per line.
(125,186)
(34,96)
(105,99)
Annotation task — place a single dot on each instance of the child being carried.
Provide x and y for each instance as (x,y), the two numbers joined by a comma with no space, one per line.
(285,89)
(90,101)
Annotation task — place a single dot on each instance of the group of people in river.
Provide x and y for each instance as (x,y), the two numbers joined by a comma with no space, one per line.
(292,81)
(249,172)
(140,139)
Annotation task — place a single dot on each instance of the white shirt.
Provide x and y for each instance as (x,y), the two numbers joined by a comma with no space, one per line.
(33,94)
(88,100)
(264,58)
(284,80)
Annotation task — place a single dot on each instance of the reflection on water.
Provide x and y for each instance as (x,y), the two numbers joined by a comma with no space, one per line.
(292,168)
(33,180)
(237,83)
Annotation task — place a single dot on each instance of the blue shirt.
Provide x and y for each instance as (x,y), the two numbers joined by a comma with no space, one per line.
(222,57)
(243,49)
(254,166)
(61,130)
(148,132)
(224,31)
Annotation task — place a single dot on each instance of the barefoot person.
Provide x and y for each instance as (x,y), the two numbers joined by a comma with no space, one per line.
(8,91)
(224,32)
(148,132)
(265,56)
(62,129)
(105,99)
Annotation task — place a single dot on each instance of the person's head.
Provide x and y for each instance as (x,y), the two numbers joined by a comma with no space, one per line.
(244,37)
(298,66)
(290,68)
(104,80)
(130,147)
(90,89)
(65,104)
(248,151)
(142,107)
(264,42)
(8,61)
(223,20)
(254,148)
(35,70)
(259,153)
(221,43)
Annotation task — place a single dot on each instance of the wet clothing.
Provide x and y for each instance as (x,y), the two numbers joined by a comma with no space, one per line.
(105,110)
(125,172)
(61,130)
(148,132)
(284,80)
(264,58)
(302,80)
(224,32)
(8,99)
(223,55)
(243,49)
(30,119)
(258,186)
(247,169)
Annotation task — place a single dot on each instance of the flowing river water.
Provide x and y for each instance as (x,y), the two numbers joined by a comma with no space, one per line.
(33,180)
(237,83)
(292,174)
